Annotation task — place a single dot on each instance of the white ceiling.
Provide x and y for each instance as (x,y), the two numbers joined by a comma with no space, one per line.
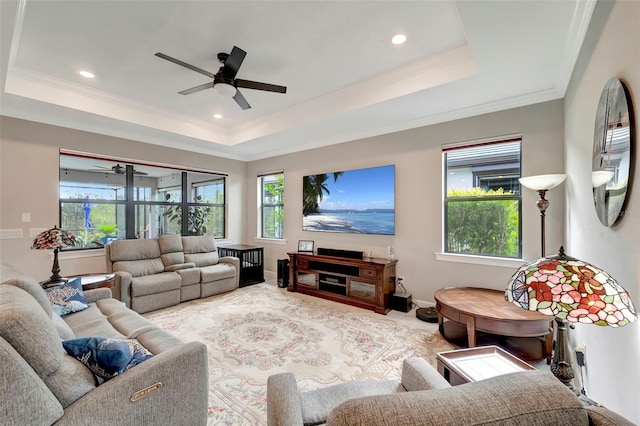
(344,78)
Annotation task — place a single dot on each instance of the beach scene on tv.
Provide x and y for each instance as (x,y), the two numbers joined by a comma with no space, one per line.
(358,201)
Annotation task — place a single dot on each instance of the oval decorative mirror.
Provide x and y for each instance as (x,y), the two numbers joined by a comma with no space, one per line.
(611,152)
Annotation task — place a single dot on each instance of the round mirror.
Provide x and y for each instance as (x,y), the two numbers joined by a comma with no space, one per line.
(611,152)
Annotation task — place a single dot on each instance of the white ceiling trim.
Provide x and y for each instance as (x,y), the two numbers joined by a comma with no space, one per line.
(577,32)
(30,84)
(449,66)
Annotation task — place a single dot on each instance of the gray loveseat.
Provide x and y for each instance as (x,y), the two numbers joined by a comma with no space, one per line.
(155,273)
(41,385)
(425,398)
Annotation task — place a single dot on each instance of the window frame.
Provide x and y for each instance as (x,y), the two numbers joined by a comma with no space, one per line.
(516,195)
(132,204)
(270,205)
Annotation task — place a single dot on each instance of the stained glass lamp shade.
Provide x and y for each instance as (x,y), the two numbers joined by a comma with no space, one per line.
(572,291)
(54,238)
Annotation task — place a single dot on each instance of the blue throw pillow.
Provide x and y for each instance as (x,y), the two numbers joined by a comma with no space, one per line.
(107,358)
(67,298)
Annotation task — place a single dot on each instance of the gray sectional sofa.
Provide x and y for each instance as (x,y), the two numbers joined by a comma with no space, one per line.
(156,273)
(42,385)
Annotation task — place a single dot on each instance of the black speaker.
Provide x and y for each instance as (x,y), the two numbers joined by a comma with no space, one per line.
(349,254)
(401,302)
(283,273)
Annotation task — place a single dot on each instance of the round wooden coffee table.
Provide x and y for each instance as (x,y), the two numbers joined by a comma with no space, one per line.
(482,309)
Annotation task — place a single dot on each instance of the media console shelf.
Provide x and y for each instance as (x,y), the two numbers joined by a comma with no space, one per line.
(367,283)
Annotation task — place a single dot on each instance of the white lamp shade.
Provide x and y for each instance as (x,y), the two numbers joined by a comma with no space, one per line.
(225,90)
(600,177)
(542,182)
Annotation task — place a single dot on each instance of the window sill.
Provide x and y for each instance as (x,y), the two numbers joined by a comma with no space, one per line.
(80,254)
(480,260)
(271,241)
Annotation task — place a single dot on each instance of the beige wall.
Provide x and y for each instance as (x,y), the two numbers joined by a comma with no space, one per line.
(29,184)
(417,156)
(613,355)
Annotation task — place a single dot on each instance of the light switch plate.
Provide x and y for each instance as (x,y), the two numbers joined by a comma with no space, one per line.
(6,234)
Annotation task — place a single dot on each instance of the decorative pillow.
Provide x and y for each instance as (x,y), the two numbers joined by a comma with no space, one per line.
(107,358)
(67,298)
(63,329)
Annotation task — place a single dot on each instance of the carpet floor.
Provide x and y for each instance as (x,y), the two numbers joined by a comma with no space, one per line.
(260,330)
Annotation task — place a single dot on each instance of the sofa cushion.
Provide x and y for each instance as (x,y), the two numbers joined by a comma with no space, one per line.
(217,272)
(124,250)
(32,334)
(189,276)
(199,244)
(107,358)
(11,276)
(179,266)
(139,268)
(170,243)
(63,329)
(200,250)
(152,284)
(67,298)
(202,259)
(109,318)
(317,404)
(523,398)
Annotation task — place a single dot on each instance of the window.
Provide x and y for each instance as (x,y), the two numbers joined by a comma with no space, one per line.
(482,205)
(102,200)
(271,189)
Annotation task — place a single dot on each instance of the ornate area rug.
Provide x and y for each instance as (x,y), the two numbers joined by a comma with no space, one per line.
(260,330)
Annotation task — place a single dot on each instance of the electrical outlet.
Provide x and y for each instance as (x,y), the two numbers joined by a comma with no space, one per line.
(581,355)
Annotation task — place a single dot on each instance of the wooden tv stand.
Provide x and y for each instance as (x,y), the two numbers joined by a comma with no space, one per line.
(367,283)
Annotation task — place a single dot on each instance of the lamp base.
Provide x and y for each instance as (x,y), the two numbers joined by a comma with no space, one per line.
(560,366)
(53,281)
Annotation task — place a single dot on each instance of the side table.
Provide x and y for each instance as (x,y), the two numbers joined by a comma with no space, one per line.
(473,364)
(91,281)
(251,262)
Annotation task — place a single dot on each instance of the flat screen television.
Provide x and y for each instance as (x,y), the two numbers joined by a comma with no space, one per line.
(358,201)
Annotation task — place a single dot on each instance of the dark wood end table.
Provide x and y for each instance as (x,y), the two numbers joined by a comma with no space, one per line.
(482,309)
(92,281)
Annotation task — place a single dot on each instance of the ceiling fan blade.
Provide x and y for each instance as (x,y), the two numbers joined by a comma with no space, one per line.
(241,100)
(184,64)
(260,86)
(233,62)
(197,88)
(140,173)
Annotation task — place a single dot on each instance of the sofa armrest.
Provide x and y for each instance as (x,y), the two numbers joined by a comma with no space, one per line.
(97,294)
(182,399)
(418,374)
(283,401)
(123,282)
(601,416)
(235,262)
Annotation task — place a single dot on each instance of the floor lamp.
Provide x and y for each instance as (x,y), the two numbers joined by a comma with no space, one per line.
(542,183)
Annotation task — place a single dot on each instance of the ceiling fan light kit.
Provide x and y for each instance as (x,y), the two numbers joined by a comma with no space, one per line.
(225,90)
(224,81)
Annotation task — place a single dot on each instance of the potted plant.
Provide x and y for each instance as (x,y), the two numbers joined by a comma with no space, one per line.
(197,217)
(107,231)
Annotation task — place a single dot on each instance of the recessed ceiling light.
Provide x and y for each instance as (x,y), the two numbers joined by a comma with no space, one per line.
(398,39)
(87,74)
(217,115)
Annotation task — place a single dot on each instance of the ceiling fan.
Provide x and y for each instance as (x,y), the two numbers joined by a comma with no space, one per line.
(224,81)
(119,170)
